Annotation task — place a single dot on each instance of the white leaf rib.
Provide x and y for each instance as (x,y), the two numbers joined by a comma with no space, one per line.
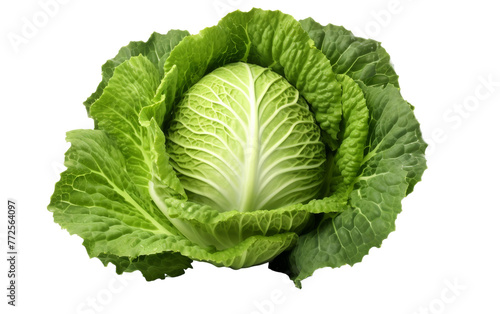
(247,95)
(300,144)
(235,75)
(242,142)
(264,92)
(244,110)
(202,179)
(283,138)
(211,164)
(205,151)
(262,203)
(275,113)
(200,193)
(286,170)
(251,151)
(221,103)
(266,104)
(282,159)
(224,143)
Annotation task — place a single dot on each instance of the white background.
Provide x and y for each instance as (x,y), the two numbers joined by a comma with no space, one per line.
(443,258)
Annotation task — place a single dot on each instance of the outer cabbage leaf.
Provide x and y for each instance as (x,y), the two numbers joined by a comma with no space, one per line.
(393,161)
(354,129)
(97,200)
(152,267)
(131,89)
(156,49)
(361,59)
(209,227)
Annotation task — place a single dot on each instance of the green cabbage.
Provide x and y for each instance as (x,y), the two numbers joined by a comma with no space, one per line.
(261,139)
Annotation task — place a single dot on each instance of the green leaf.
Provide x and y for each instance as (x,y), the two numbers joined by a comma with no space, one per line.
(163,180)
(209,227)
(156,49)
(393,161)
(152,267)
(361,59)
(252,251)
(97,200)
(397,135)
(130,90)
(354,130)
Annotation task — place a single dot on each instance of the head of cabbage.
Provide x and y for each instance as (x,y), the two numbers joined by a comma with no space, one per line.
(261,139)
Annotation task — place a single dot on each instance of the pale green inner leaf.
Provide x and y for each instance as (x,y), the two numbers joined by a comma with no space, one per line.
(243,139)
